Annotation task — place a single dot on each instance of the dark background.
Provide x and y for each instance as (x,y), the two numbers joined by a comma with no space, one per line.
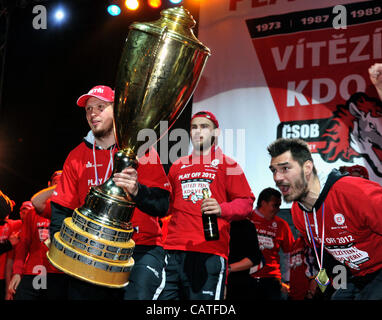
(45,72)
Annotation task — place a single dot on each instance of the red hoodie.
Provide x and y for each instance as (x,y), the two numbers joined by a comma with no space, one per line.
(353,222)
(79,171)
(273,235)
(31,250)
(302,269)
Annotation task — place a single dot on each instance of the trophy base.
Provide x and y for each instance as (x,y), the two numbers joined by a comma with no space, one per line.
(89,269)
(90,251)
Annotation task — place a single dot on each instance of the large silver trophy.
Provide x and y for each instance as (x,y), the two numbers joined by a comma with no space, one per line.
(160,67)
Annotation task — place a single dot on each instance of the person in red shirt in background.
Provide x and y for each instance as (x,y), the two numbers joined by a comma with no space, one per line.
(41,200)
(9,233)
(302,271)
(34,277)
(273,234)
(196,268)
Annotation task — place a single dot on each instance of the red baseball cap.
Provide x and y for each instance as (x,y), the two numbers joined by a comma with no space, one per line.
(103,93)
(208,115)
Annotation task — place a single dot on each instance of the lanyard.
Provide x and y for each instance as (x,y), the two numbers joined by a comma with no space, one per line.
(311,237)
(110,165)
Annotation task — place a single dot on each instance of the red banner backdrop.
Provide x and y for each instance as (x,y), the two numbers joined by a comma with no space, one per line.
(301,71)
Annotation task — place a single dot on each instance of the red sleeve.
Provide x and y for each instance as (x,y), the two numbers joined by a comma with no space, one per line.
(47,212)
(237,184)
(151,173)
(22,248)
(237,209)
(15,226)
(365,197)
(66,193)
(240,196)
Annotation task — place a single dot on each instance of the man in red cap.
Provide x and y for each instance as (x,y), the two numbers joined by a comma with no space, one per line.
(91,164)
(196,268)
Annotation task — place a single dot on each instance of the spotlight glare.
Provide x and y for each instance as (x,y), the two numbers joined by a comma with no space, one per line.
(59,15)
(176,1)
(155,3)
(114,10)
(132,4)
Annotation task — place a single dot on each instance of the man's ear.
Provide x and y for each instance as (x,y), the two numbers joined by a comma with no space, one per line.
(308,168)
(217,132)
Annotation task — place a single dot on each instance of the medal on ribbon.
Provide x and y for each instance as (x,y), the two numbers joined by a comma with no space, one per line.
(322,280)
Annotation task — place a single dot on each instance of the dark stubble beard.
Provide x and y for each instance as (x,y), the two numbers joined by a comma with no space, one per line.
(103,133)
(301,186)
(204,146)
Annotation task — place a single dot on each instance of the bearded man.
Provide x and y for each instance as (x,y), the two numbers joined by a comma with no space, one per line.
(338,213)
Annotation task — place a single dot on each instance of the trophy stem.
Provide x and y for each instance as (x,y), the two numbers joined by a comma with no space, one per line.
(108,203)
(124,158)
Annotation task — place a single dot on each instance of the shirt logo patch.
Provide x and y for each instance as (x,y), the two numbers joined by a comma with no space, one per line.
(339,219)
(215,162)
(90,165)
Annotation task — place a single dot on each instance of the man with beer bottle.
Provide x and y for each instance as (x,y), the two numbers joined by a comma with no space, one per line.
(205,184)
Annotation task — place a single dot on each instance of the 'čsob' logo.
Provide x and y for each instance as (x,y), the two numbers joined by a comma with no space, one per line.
(355,130)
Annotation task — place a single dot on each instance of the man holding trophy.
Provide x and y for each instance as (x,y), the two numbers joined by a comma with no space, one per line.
(113,239)
(91,163)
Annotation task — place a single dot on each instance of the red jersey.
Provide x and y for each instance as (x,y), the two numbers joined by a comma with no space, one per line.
(31,250)
(84,169)
(351,207)
(6,230)
(273,235)
(302,269)
(47,212)
(225,181)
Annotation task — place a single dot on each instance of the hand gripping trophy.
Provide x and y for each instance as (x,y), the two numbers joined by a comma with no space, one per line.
(160,67)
